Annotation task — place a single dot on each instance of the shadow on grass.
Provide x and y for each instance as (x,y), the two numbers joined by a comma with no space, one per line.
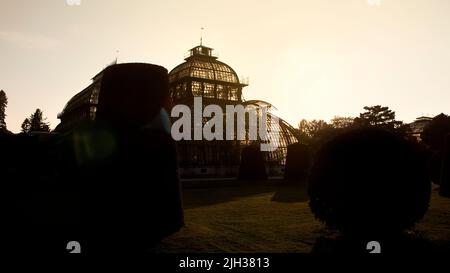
(209,195)
(197,197)
(291,193)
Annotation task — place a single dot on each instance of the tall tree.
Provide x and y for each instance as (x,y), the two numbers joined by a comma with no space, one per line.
(3,104)
(26,125)
(35,123)
(378,116)
(303,128)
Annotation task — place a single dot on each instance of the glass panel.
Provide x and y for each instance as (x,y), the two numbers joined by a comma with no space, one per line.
(196,88)
(233,94)
(208,91)
(202,73)
(225,76)
(179,91)
(183,73)
(94,95)
(222,92)
(200,64)
(92,112)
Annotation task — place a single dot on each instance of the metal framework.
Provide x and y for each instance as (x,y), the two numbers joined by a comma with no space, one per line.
(82,106)
(203,75)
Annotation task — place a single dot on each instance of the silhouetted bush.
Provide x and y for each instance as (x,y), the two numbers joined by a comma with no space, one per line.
(132,93)
(112,183)
(298,162)
(252,164)
(433,136)
(435,166)
(445,176)
(369,182)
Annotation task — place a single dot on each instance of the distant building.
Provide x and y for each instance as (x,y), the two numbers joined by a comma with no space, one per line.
(418,125)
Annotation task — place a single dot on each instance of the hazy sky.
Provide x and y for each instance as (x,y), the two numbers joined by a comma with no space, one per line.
(310,58)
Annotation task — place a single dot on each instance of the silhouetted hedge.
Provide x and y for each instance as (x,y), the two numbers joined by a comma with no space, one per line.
(298,162)
(435,166)
(369,182)
(445,176)
(252,164)
(112,183)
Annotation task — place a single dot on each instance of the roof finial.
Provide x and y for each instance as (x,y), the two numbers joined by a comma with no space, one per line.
(117,56)
(201,35)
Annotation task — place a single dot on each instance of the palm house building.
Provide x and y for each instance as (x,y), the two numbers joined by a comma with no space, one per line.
(203,75)
(126,93)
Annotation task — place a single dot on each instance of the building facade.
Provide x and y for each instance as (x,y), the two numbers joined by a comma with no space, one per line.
(125,93)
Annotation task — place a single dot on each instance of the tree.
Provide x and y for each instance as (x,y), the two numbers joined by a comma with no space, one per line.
(378,116)
(35,123)
(26,125)
(313,127)
(3,103)
(369,182)
(303,129)
(342,122)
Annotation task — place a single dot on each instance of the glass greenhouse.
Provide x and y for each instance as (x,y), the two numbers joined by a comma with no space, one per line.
(202,75)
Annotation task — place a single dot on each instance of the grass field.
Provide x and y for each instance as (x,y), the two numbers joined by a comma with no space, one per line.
(268,218)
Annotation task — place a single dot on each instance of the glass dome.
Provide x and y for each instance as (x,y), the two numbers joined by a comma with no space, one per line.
(204,69)
(203,75)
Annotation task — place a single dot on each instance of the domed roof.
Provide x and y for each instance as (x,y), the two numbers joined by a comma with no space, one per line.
(202,64)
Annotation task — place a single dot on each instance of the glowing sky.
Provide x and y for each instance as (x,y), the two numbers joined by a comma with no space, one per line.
(310,58)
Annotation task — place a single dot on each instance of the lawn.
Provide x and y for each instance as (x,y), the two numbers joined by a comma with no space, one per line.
(269,218)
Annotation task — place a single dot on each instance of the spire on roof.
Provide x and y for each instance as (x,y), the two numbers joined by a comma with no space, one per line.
(201,35)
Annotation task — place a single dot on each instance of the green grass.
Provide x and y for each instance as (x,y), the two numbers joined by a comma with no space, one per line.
(268,219)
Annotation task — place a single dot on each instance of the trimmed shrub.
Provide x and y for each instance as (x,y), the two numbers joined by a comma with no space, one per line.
(252,164)
(298,162)
(369,182)
(445,176)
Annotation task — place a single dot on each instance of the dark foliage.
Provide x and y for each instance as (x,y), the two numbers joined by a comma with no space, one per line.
(445,173)
(433,136)
(129,186)
(342,122)
(112,184)
(378,116)
(435,166)
(369,182)
(318,132)
(252,164)
(3,104)
(310,129)
(35,123)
